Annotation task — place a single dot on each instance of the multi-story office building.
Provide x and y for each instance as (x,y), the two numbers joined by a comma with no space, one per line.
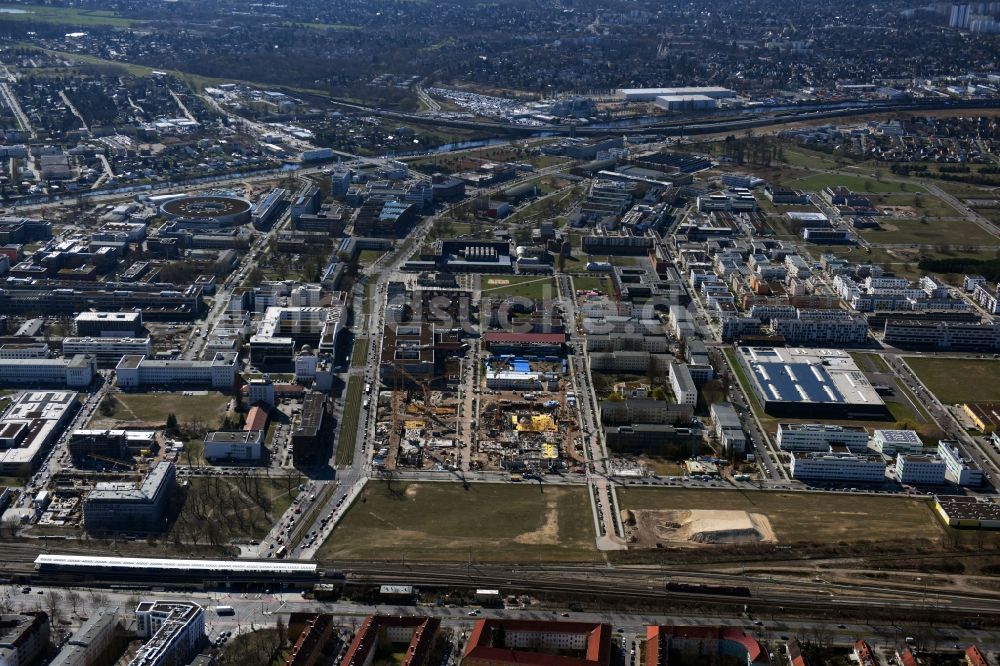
(127,507)
(107,351)
(891,442)
(961,470)
(836,466)
(109,324)
(175,631)
(24,351)
(951,335)
(685,391)
(728,428)
(29,426)
(920,469)
(75,372)
(234,445)
(821,437)
(137,371)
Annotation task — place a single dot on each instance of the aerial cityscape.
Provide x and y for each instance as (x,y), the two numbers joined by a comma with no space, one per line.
(512,333)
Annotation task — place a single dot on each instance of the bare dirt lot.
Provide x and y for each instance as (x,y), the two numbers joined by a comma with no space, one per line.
(697,527)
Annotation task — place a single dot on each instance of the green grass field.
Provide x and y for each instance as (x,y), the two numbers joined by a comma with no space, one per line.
(69,16)
(486,522)
(601,283)
(857,184)
(369,257)
(208,407)
(348,437)
(957,380)
(926,204)
(359,355)
(803,517)
(930,232)
(525,286)
(227,508)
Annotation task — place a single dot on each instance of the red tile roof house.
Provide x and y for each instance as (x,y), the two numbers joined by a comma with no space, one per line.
(701,640)
(530,643)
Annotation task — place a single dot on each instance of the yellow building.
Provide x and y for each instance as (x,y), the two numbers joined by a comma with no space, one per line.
(985,416)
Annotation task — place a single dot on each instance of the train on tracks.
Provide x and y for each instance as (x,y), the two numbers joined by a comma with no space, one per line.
(702,588)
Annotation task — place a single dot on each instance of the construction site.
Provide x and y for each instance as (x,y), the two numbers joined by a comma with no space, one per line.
(532,431)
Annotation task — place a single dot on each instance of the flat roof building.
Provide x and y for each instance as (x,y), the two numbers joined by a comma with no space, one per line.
(175,631)
(107,351)
(891,442)
(822,383)
(108,324)
(75,372)
(137,371)
(127,506)
(837,466)
(91,641)
(975,512)
(245,445)
(820,437)
(650,94)
(29,426)
(919,469)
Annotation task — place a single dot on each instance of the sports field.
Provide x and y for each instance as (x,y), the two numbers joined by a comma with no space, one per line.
(445,521)
(818,518)
(956,380)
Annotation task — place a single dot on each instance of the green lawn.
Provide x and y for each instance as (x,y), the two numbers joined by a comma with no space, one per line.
(857,184)
(820,518)
(926,204)
(930,232)
(359,355)
(348,436)
(483,522)
(803,157)
(369,257)
(69,16)
(601,283)
(227,508)
(525,286)
(957,380)
(209,407)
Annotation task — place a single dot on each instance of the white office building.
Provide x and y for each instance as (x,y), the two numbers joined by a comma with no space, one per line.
(31,350)
(108,324)
(891,442)
(821,437)
(919,469)
(75,372)
(960,470)
(685,392)
(137,371)
(107,351)
(174,631)
(234,445)
(835,466)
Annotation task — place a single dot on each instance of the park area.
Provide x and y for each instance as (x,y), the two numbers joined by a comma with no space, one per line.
(218,510)
(199,409)
(479,522)
(958,380)
(787,518)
